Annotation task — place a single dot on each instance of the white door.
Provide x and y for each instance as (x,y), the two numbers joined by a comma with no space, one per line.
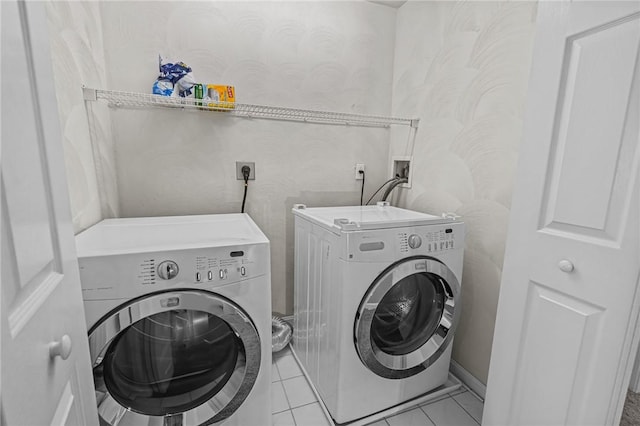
(569,296)
(46,372)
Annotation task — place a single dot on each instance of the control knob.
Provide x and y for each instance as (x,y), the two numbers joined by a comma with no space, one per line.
(415,241)
(167,269)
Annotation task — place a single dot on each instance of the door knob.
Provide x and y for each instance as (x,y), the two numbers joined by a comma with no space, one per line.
(61,348)
(565,265)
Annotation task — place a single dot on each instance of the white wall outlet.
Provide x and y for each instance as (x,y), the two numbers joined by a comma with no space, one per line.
(402,167)
(252,167)
(359,167)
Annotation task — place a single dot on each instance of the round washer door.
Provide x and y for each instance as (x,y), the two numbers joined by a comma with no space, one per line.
(177,357)
(407,317)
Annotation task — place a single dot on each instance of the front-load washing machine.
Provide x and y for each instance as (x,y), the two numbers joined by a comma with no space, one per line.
(178,311)
(376,303)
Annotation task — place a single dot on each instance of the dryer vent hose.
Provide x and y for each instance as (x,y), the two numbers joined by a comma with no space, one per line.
(281,332)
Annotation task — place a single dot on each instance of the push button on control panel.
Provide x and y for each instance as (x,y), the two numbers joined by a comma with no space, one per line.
(223,274)
(243,271)
(198,276)
(210,275)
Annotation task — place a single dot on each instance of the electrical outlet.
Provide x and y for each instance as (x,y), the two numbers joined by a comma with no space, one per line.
(359,167)
(252,166)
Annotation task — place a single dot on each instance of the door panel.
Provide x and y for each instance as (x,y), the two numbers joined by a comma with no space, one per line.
(569,298)
(41,297)
(588,92)
(27,209)
(565,350)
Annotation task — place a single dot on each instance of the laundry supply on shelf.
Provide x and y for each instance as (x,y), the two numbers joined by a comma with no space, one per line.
(171,76)
(221,96)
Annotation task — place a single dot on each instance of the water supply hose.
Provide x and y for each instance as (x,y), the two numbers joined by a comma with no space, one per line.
(398,181)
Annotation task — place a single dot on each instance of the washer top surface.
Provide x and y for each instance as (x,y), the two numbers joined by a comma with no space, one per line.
(150,234)
(353,218)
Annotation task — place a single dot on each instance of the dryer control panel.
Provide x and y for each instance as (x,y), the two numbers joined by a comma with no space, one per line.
(131,275)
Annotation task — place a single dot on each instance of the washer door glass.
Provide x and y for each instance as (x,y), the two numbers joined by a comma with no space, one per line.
(175,357)
(406,318)
(408,314)
(171,362)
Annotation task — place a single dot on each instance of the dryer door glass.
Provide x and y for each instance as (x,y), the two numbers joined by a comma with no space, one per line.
(406,318)
(171,361)
(174,357)
(408,315)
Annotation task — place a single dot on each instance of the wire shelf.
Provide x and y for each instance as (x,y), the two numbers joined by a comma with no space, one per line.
(119,99)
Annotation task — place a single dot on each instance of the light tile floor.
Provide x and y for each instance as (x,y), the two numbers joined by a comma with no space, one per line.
(295,404)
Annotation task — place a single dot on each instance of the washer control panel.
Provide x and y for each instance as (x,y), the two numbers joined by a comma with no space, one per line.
(430,239)
(393,243)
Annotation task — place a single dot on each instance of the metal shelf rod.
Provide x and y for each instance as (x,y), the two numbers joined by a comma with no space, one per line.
(119,99)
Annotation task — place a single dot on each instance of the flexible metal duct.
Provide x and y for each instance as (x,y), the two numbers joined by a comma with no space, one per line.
(281,332)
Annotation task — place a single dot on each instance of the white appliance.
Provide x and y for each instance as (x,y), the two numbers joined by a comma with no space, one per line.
(178,310)
(376,303)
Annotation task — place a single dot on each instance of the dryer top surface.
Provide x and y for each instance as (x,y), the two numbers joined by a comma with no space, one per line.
(151,234)
(355,218)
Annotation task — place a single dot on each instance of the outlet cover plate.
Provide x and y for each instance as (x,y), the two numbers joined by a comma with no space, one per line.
(252,166)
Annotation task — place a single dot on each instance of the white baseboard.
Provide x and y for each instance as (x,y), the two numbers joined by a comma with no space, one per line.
(468,379)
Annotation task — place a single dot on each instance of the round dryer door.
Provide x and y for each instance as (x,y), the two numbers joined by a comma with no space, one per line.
(173,358)
(407,317)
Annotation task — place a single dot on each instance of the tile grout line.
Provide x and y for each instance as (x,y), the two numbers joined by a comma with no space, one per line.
(285,393)
(304,405)
(294,419)
(465,410)
(286,396)
(425,413)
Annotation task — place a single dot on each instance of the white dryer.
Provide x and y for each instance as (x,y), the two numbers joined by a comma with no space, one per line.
(178,311)
(376,304)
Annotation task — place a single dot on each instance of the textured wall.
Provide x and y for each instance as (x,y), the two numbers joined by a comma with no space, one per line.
(78,59)
(319,55)
(462,67)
